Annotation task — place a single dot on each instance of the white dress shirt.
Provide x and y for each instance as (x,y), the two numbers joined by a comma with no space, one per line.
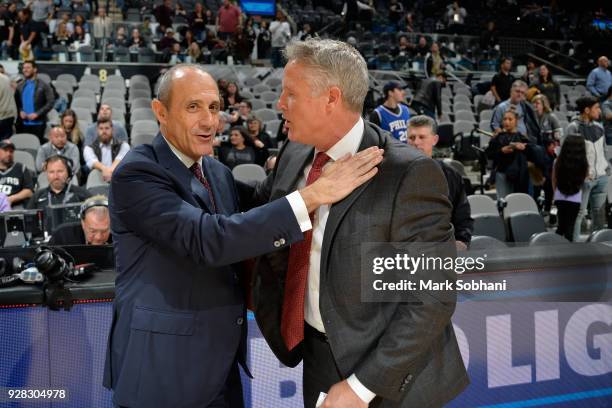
(312,315)
(107,154)
(295,199)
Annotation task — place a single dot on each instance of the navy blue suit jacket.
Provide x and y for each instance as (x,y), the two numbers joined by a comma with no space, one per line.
(179,320)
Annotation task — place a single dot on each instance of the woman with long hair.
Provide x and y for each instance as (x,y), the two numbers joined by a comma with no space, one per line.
(569,172)
(551,132)
(509,153)
(549,87)
(232,96)
(242,150)
(70,124)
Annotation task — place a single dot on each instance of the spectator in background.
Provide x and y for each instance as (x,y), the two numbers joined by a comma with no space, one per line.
(531,73)
(409,23)
(549,124)
(145,29)
(489,38)
(8,30)
(241,46)
(232,98)
(242,150)
(281,34)
(570,171)
(60,189)
(188,39)
(455,16)
(105,113)
(15,179)
(264,41)
(600,79)
(70,124)
(240,117)
(502,81)
(421,50)
(167,40)
(404,47)
(121,39)
(42,10)
(509,151)
(8,107)
(106,153)
(174,54)
(548,86)
(34,100)
(197,21)
(428,99)
(194,54)
(434,62)
(594,190)
(259,137)
(163,15)
(305,33)
(58,144)
(29,35)
(422,135)
(79,21)
(228,20)
(606,113)
(80,38)
(67,23)
(393,115)
(102,26)
(136,41)
(62,35)
(396,11)
(551,132)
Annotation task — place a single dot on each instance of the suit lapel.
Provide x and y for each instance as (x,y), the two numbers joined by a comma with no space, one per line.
(295,160)
(339,210)
(217,184)
(172,163)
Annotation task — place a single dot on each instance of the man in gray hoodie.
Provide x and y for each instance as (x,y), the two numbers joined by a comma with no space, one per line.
(595,186)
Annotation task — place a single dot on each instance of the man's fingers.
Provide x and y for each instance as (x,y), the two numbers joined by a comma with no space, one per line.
(365,177)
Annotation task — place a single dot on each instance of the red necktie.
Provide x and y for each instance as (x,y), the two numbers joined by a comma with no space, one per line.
(292,321)
(196,169)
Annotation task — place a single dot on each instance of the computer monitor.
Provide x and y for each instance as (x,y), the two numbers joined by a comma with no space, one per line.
(259,7)
(21,227)
(59,214)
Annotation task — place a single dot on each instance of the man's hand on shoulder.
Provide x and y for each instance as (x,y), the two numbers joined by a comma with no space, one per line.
(340,178)
(341,395)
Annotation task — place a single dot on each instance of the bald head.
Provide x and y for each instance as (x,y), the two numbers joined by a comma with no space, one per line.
(57,137)
(603,62)
(180,73)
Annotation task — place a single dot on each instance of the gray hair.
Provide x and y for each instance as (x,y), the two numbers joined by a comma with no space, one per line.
(98,211)
(164,90)
(519,84)
(423,121)
(333,63)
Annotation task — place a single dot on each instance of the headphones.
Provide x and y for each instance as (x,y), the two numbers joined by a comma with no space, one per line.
(67,162)
(88,205)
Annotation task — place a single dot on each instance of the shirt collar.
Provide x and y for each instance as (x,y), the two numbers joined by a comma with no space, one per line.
(186,160)
(349,143)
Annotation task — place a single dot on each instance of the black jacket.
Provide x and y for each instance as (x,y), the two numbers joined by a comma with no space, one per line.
(43,98)
(460,218)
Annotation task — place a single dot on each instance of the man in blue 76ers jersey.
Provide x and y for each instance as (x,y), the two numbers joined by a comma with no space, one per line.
(393,115)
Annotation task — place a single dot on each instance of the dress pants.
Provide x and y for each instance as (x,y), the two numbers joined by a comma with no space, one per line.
(231,394)
(320,370)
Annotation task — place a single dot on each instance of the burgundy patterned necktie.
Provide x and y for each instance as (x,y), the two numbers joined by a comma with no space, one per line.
(292,320)
(196,169)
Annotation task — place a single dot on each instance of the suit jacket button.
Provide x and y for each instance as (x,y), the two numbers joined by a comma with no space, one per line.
(277,244)
(282,241)
(239,321)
